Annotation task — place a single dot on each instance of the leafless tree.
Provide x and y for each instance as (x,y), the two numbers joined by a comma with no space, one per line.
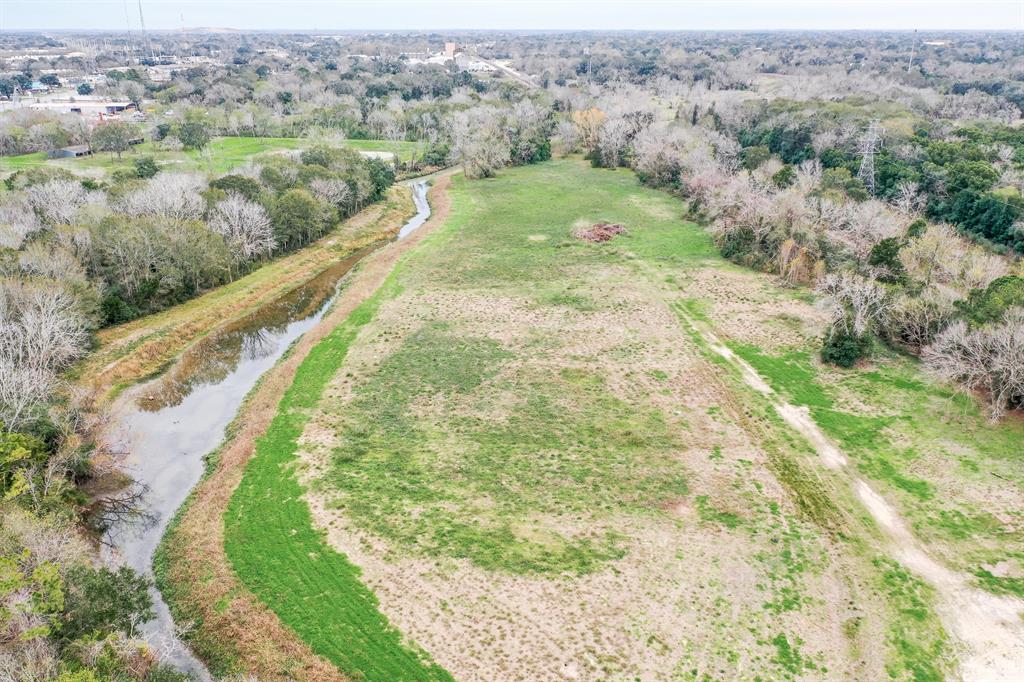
(566,133)
(990,359)
(613,139)
(915,321)
(171,195)
(57,201)
(333,191)
(854,304)
(908,199)
(17,222)
(245,226)
(479,143)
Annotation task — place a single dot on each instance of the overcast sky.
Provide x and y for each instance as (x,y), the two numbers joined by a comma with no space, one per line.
(509,14)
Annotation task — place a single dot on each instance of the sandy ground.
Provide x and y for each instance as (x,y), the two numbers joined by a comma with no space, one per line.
(230,613)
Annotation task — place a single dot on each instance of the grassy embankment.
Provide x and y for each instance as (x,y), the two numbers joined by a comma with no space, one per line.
(516,409)
(131,352)
(222,155)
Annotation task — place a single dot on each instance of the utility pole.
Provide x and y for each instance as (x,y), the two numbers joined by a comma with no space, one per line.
(869,143)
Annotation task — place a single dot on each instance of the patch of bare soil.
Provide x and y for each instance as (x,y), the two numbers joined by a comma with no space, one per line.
(744,307)
(600,232)
(201,576)
(690,593)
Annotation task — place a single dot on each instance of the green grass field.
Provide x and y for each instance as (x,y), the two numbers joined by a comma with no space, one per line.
(221,156)
(512,411)
(271,542)
(924,443)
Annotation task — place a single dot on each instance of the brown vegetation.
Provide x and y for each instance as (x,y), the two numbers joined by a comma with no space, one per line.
(600,232)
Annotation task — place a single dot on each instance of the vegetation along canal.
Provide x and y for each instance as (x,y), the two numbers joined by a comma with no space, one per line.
(175,420)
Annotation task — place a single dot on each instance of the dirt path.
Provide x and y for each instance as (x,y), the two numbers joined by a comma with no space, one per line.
(202,584)
(990,627)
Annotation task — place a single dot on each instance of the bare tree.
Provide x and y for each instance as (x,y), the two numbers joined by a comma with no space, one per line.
(613,139)
(41,332)
(17,222)
(990,359)
(245,226)
(915,321)
(908,199)
(171,195)
(567,136)
(479,143)
(57,201)
(854,304)
(333,191)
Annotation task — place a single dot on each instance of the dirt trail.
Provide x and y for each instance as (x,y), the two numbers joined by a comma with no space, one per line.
(990,627)
(200,574)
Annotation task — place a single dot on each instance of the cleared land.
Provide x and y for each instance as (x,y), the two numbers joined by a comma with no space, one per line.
(522,431)
(222,155)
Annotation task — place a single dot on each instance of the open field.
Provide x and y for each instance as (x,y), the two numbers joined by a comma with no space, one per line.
(521,430)
(222,155)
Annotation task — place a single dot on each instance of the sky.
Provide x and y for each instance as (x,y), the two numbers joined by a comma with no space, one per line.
(511,14)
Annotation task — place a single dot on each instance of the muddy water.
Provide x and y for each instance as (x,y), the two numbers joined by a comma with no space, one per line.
(172,422)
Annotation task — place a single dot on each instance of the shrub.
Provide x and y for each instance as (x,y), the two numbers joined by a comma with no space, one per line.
(844,349)
(146,167)
(784,177)
(754,156)
(990,304)
(885,256)
(101,601)
(238,184)
(436,155)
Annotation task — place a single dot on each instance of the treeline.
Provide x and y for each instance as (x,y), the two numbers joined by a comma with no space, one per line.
(970,176)
(147,239)
(883,268)
(76,255)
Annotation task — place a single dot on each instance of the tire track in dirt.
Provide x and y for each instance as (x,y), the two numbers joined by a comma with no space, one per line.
(990,627)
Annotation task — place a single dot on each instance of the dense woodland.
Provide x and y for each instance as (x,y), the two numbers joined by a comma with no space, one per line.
(764,136)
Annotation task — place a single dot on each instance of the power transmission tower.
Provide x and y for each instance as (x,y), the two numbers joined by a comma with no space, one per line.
(128,34)
(145,36)
(869,144)
(913,49)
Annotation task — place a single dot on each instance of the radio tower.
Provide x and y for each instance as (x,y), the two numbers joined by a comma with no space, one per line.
(869,143)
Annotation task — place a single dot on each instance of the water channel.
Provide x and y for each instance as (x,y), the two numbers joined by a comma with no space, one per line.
(173,421)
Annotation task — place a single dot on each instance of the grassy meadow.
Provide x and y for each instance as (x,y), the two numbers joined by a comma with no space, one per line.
(519,430)
(221,156)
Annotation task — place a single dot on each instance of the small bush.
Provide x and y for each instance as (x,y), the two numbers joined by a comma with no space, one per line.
(844,349)
(146,167)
